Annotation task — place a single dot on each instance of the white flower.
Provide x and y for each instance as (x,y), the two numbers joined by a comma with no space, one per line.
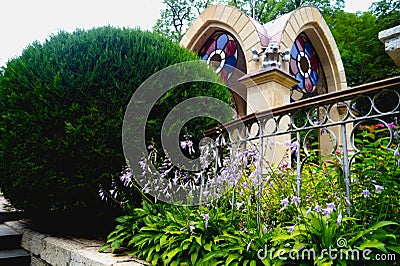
(191,227)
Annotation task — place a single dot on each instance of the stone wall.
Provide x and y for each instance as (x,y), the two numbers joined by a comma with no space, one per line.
(49,250)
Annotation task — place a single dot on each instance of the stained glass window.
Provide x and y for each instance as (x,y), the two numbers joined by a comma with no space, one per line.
(221,51)
(306,67)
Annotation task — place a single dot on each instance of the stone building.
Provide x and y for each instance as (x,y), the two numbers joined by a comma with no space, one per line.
(290,58)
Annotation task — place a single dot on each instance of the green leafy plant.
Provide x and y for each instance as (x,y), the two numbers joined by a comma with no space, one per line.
(62,107)
(275,225)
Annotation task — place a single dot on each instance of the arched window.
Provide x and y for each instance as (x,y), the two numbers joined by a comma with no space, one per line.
(306,67)
(221,50)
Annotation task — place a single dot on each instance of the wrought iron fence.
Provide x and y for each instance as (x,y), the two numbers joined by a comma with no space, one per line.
(332,120)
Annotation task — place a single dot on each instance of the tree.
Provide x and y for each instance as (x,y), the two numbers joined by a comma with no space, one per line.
(387,12)
(363,55)
(177,16)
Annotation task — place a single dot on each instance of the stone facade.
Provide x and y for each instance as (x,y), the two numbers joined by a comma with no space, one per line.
(269,85)
(252,35)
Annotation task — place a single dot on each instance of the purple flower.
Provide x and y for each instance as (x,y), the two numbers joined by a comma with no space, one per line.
(187,144)
(339,219)
(294,146)
(326,212)
(296,199)
(126,178)
(330,207)
(308,211)
(114,193)
(265,230)
(378,188)
(239,204)
(291,229)
(365,193)
(102,194)
(142,165)
(317,209)
(285,202)
(288,143)
(206,217)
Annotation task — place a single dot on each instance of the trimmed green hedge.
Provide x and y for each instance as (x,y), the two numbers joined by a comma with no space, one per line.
(62,107)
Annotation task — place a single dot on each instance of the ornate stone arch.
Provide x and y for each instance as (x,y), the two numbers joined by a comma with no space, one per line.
(309,20)
(251,36)
(247,32)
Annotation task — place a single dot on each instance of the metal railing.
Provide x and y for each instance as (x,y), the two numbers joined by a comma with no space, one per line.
(339,114)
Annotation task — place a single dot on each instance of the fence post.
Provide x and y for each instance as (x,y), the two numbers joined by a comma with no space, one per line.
(346,168)
(299,178)
(260,172)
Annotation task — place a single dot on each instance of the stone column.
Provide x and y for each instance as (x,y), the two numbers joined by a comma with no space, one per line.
(266,89)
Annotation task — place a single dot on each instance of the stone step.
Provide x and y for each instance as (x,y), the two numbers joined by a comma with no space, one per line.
(9,239)
(14,257)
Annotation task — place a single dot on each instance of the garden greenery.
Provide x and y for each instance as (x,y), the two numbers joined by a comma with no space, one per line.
(62,107)
(226,231)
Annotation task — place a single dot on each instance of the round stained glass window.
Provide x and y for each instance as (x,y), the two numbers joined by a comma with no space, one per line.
(306,67)
(220,51)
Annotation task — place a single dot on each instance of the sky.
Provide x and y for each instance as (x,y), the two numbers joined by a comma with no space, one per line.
(25,21)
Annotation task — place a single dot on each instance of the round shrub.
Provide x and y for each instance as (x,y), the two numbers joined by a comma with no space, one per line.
(62,108)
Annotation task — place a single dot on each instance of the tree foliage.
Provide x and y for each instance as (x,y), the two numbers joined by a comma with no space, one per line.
(179,14)
(177,17)
(363,55)
(267,10)
(387,11)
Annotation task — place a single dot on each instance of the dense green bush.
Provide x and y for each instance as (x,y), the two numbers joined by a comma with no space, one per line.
(62,107)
